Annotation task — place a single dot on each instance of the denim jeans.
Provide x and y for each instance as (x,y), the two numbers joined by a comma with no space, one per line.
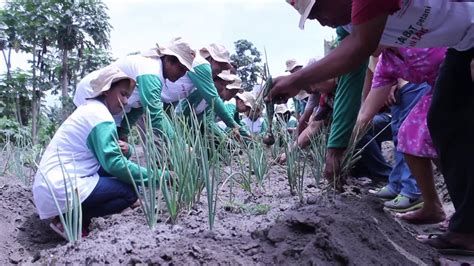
(401,181)
(109,196)
(372,163)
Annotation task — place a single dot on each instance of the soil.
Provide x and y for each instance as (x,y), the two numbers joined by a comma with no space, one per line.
(270,226)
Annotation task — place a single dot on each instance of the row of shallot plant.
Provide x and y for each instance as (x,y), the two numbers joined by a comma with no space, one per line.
(182,150)
(70,215)
(258,161)
(156,170)
(318,148)
(295,161)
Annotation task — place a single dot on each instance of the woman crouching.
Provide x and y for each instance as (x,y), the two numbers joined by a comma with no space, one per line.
(85,142)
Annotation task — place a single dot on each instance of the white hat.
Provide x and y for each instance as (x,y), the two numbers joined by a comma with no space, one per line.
(227,76)
(217,52)
(107,76)
(176,47)
(291,64)
(303,7)
(248,98)
(236,85)
(281,108)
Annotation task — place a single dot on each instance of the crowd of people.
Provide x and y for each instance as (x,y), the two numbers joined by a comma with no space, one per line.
(402,71)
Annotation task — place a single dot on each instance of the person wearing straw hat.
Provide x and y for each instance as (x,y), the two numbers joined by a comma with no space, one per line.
(200,85)
(150,69)
(85,142)
(247,103)
(300,99)
(227,85)
(284,113)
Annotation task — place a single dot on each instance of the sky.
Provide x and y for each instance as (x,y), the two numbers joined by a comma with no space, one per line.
(271,24)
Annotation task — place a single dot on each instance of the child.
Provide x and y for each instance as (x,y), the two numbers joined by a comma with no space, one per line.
(414,65)
(86,141)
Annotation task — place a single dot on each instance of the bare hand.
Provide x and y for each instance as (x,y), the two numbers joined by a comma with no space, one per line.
(281,159)
(123,146)
(332,169)
(235,133)
(282,90)
(392,99)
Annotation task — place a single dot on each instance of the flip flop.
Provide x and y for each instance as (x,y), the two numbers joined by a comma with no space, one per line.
(442,244)
(422,238)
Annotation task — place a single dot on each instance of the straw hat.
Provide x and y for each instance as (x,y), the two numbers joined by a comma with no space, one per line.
(303,7)
(248,98)
(227,76)
(302,95)
(107,76)
(281,108)
(176,47)
(237,85)
(291,64)
(217,52)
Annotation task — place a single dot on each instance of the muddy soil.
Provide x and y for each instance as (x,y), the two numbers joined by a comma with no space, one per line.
(270,226)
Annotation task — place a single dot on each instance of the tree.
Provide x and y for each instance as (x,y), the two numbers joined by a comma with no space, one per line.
(79,25)
(57,33)
(247,62)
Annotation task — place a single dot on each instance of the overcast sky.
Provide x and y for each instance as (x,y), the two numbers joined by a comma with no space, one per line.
(139,24)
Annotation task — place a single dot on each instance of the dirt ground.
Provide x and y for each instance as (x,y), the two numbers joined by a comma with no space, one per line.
(270,227)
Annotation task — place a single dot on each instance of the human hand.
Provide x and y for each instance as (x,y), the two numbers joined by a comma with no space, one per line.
(282,89)
(392,98)
(281,159)
(123,147)
(235,133)
(332,169)
(123,138)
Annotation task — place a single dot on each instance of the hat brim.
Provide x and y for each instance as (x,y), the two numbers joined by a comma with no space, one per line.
(292,68)
(206,52)
(161,51)
(305,14)
(109,84)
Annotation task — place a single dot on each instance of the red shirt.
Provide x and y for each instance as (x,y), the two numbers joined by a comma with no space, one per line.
(365,10)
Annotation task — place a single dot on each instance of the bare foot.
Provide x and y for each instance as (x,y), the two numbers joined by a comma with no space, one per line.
(455,243)
(444,225)
(423,216)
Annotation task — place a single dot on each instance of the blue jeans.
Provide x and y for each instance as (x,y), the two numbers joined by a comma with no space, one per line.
(401,181)
(372,163)
(108,197)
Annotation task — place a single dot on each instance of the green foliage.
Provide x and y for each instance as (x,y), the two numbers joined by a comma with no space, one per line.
(15,93)
(66,40)
(247,61)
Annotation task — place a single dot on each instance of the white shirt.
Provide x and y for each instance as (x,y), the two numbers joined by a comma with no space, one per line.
(183,87)
(134,66)
(430,23)
(77,159)
(255,127)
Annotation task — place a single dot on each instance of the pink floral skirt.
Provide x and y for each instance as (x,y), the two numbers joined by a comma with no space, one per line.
(413,136)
